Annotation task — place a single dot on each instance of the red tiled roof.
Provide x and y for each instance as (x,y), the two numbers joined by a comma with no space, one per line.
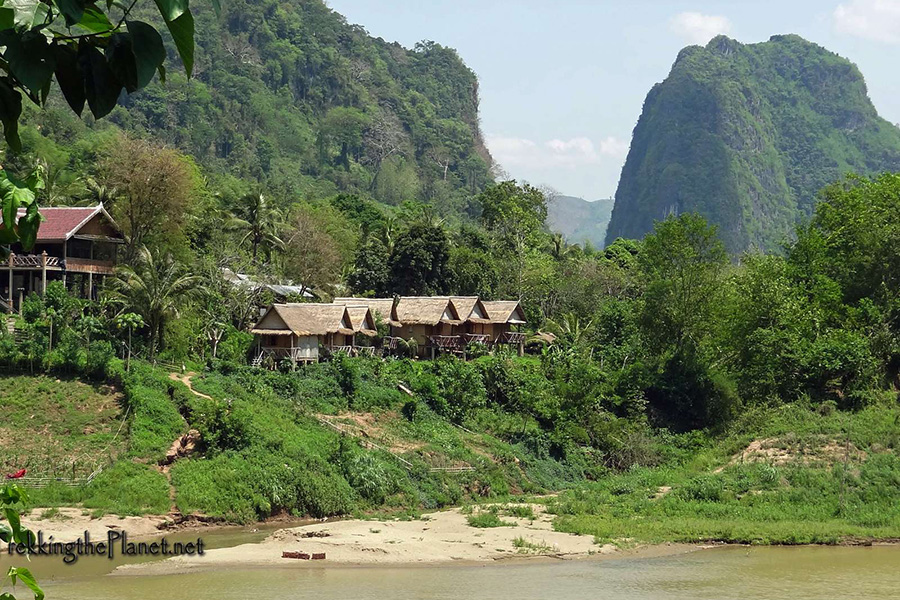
(61,221)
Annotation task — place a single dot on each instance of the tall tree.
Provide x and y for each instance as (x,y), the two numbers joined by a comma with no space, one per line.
(311,257)
(419,261)
(259,221)
(156,186)
(156,288)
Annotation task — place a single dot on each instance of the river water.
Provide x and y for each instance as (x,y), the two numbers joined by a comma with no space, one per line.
(726,573)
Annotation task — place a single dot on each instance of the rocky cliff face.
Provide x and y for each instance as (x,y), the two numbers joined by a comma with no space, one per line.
(747,135)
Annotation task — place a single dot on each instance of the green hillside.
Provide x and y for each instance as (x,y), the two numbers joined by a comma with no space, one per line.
(579,220)
(288,94)
(747,135)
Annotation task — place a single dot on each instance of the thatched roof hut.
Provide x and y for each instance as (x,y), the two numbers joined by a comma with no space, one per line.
(504,311)
(362,320)
(426,310)
(383,307)
(304,319)
(470,309)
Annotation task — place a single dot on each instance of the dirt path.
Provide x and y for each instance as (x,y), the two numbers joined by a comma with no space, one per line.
(182,446)
(186,380)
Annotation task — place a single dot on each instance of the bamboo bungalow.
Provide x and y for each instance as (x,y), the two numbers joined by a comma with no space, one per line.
(363,323)
(381,308)
(75,245)
(295,331)
(431,321)
(474,316)
(503,316)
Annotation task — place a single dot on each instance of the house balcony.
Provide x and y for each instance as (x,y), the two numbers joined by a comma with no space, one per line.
(452,343)
(513,338)
(88,265)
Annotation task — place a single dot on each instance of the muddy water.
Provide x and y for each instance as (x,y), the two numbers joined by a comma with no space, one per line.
(721,574)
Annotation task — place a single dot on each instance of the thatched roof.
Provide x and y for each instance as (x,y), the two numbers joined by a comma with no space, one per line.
(426,310)
(362,320)
(504,311)
(470,309)
(382,306)
(305,319)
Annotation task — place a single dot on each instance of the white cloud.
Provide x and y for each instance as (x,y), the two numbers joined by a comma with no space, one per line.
(697,28)
(512,152)
(877,20)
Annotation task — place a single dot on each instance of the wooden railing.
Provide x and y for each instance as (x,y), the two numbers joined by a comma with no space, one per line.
(346,349)
(447,342)
(478,338)
(278,352)
(32,261)
(511,337)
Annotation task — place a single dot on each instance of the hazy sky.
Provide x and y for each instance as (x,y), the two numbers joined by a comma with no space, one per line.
(562,82)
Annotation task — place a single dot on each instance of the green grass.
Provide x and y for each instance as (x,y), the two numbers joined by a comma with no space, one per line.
(487,519)
(50,423)
(818,496)
(126,488)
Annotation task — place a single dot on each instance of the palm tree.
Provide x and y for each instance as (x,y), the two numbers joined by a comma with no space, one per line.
(259,221)
(154,287)
(570,330)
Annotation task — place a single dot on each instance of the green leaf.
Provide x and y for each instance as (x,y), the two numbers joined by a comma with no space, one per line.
(70,77)
(95,20)
(182,30)
(121,60)
(5,532)
(149,51)
(10,110)
(29,225)
(12,515)
(30,58)
(7,18)
(101,87)
(72,10)
(24,10)
(25,576)
(172,9)
(217,6)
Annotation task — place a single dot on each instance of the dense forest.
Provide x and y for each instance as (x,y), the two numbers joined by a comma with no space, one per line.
(747,135)
(289,96)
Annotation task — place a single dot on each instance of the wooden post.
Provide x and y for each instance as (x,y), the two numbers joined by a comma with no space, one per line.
(21,299)
(10,295)
(90,290)
(43,272)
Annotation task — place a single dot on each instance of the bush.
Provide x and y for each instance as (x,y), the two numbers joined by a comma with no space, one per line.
(487,519)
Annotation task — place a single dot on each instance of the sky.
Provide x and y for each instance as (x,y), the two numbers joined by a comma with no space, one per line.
(562,82)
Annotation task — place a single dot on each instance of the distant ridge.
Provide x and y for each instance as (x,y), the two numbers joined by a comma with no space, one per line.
(748,135)
(579,220)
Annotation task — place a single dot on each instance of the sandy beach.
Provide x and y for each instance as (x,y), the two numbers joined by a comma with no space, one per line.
(441,537)
(69,524)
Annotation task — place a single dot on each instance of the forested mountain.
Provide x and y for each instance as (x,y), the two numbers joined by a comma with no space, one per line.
(579,220)
(747,135)
(288,94)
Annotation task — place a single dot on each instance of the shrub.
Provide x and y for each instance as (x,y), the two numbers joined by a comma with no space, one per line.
(487,519)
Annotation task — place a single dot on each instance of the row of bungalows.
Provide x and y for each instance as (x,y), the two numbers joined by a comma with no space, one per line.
(438,324)
(446,323)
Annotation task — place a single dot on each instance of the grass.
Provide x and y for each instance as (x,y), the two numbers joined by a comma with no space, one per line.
(126,488)
(812,495)
(485,520)
(524,546)
(51,424)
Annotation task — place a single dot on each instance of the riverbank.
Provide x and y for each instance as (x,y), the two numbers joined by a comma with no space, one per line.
(438,538)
